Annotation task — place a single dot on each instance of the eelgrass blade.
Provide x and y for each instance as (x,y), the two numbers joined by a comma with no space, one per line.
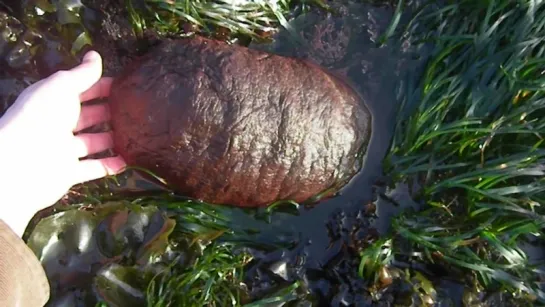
(473,125)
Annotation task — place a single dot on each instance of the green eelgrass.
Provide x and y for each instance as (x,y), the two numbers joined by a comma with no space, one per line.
(216,279)
(470,130)
(251,18)
(209,222)
(217,276)
(209,271)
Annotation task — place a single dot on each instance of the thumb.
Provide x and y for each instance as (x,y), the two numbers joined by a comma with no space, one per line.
(82,77)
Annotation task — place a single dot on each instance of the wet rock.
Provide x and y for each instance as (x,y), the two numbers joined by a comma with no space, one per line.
(230,125)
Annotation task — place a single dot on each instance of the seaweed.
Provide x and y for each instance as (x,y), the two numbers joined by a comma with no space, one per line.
(470,133)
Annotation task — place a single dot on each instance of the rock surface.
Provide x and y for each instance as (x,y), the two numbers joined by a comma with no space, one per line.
(231,125)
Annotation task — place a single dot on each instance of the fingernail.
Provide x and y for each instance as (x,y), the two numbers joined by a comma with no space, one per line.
(91,56)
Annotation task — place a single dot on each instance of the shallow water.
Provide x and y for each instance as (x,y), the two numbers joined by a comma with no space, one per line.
(333,232)
(347,44)
(336,45)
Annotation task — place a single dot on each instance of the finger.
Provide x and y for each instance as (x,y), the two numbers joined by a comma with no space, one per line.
(91,115)
(92,143)
(80,78)
(99,168)
(98,90)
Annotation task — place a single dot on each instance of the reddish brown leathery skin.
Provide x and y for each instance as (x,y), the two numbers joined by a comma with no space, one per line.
(230,125)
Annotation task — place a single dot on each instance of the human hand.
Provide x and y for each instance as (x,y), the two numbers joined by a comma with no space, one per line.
(39,153)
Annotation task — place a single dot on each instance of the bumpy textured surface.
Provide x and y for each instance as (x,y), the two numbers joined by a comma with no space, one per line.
(231,125)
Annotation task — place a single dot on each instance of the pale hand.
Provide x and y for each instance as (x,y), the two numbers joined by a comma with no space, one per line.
(39,153)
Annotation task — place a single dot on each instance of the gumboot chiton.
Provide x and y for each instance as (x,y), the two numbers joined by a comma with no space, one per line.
(230,125)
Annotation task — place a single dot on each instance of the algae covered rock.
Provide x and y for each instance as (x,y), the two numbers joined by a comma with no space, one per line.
(230,125)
